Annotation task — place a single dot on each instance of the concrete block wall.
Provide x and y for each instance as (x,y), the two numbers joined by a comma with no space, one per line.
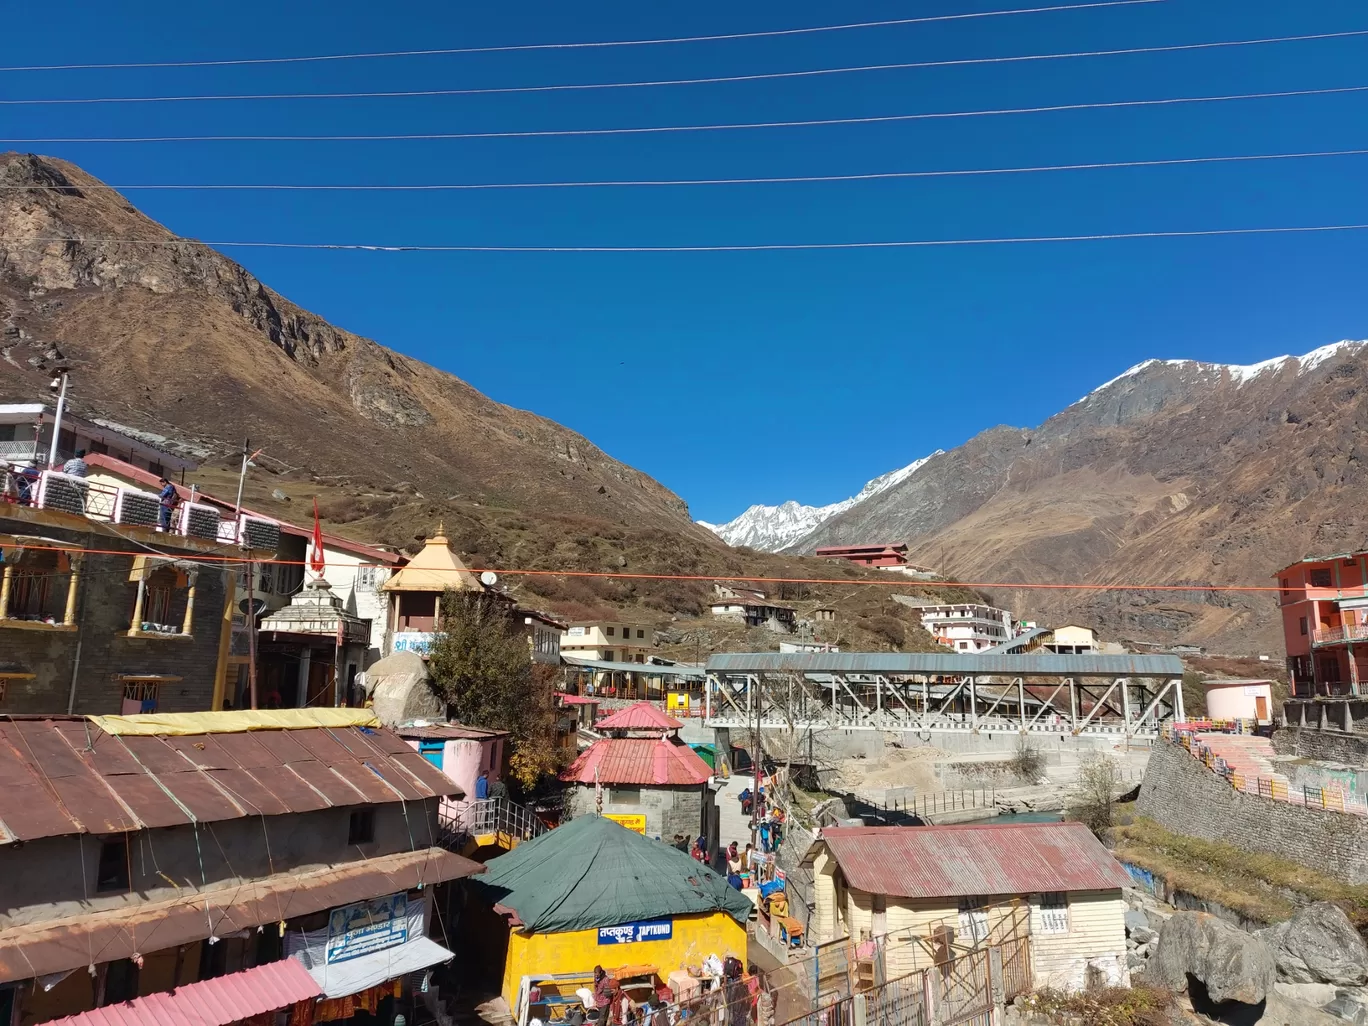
(668,811)
(1323,745)
(1186,798)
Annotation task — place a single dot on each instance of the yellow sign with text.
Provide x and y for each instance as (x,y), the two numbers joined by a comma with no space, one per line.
(632,821)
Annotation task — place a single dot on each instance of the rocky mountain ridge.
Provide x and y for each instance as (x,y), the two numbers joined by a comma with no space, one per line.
(1176,472)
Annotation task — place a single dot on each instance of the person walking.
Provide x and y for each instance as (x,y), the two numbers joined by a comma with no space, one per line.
(169,499)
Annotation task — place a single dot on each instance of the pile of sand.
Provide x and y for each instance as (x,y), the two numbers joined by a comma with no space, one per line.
(896,767)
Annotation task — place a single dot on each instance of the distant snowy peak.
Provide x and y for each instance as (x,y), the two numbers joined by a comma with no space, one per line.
(1238,374)
(776,528)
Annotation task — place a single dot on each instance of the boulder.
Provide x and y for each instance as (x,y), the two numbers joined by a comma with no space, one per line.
(400,691)
(1136,920)
(1347,1008)
(1316,994)
(1319,945)
(1231,964)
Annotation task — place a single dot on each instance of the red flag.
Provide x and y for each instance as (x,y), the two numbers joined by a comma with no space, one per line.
(316,563)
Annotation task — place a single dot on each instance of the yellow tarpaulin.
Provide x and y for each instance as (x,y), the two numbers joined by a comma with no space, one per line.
(173,724)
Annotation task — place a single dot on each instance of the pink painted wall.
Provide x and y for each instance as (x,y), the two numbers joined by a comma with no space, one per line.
(462,762)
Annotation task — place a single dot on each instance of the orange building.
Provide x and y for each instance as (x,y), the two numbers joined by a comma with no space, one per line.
(1324,604)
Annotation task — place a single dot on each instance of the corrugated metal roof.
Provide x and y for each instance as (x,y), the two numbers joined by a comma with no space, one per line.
(60,944)
(66,776)
(216,1002)
(448,732)
(638,716)
(1006,647)
(650,669)
(951,663)
(629,760)
(974,859)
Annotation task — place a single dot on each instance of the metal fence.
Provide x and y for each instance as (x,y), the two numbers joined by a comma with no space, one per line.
(463,821)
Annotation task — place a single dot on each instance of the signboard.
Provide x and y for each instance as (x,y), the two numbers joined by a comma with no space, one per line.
(414,641)
(630,820)
(366,927)
(635,933)
(575,632)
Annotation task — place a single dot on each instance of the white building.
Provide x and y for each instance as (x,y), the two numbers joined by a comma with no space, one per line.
(966,626)
(609,642)
(26,434)
(756,613)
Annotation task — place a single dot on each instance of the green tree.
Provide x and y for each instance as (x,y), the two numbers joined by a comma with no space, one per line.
(482,668)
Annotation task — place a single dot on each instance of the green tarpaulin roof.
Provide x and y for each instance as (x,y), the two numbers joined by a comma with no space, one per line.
(591,872)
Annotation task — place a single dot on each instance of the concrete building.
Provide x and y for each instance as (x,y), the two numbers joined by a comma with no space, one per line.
(609,642)
(354,572)
(26,434)
(762,613)
(1239,700)
(91,621)
(934,889)
(644,771)
(310,652)
(965,626)
(414,595)
(210,847)
(1071,640)
(1324,604)
(544,635)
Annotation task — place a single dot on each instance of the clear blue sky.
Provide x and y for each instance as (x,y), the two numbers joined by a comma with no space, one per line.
(740,378)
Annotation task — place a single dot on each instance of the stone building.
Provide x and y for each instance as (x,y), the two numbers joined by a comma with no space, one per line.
(647,775)
(101,617)
(214,846)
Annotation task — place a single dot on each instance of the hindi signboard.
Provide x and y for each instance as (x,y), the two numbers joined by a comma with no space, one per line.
(367,926)
(634,933)
(631,820)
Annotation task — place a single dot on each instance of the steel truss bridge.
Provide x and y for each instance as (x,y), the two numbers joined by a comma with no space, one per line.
(1082,695)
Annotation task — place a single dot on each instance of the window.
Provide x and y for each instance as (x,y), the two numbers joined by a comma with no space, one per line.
(1303,626)
(432,751)
(610,631)
(608,655)
(361,827)
(39,583)
(7,432)
(140,696)
(973,919)
(112,874)
(1320,578)
(641,633)
(160,591)
(626,796)
(1054,912)
(366,577)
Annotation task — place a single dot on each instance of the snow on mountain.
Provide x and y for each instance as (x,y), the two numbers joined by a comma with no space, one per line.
(1238,374)
(776,528)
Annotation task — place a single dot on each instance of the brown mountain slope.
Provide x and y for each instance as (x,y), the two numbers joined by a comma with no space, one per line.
(176,339)
(1175,473)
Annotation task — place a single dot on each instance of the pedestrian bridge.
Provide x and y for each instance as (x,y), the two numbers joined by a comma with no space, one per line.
(1112,696)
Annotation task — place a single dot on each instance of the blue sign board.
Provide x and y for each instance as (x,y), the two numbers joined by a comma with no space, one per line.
(632,933)
(366,927)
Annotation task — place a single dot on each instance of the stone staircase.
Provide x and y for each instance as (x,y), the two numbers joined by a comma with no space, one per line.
(1246,755)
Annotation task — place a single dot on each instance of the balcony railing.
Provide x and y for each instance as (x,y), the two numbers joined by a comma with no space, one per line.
(129,507)
(1347,632)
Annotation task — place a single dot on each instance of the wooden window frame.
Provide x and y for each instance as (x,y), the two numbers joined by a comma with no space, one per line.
(187,579)
(13,554)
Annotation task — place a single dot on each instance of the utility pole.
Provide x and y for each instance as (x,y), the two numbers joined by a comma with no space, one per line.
(757,753)
(62,376)
(242,477)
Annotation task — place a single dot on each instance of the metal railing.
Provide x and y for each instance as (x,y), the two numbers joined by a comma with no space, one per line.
(1345,632)
(461,822)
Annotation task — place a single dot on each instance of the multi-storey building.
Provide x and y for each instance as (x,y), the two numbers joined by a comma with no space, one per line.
(609,642)
(966,626)
(1324,605)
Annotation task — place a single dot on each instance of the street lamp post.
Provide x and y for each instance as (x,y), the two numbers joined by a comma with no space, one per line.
(61,407)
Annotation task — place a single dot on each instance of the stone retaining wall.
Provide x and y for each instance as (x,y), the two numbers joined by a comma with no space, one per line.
(1184,797)
(1322,745)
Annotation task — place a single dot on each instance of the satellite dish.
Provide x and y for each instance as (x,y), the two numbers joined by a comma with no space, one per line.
(257,606)
(489,578)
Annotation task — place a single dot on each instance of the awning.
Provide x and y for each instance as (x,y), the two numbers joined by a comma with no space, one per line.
(358,974)
(216,1002)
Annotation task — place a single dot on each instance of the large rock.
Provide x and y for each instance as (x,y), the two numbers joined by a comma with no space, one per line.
(400,691)
(1319,945)
(1231,964)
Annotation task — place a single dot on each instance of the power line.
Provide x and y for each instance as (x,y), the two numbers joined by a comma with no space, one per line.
(652,83)
(655,129)
(576,46)
(722,578)
(870,176)
(739,248)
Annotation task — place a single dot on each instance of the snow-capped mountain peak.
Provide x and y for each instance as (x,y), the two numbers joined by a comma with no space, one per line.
(1240,374)
(776,528)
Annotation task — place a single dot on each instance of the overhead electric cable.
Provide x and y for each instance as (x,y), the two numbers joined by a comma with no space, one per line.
(652,83)
(653,129)
(735,248)
(868,176)
(512,47)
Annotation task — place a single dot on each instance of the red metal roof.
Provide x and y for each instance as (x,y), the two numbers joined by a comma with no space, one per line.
(578,700)
(638,716)
(974,859)
(216,1002)
(66,776)
(630,760)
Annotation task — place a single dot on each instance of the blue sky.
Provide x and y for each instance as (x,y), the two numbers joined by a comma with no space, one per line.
(756,377)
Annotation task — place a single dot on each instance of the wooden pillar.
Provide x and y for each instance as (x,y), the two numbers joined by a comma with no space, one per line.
(188,623)
(73,584)
(5,590)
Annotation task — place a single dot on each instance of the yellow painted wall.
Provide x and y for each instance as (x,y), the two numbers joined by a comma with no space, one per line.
(1097,934)
(695,938)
